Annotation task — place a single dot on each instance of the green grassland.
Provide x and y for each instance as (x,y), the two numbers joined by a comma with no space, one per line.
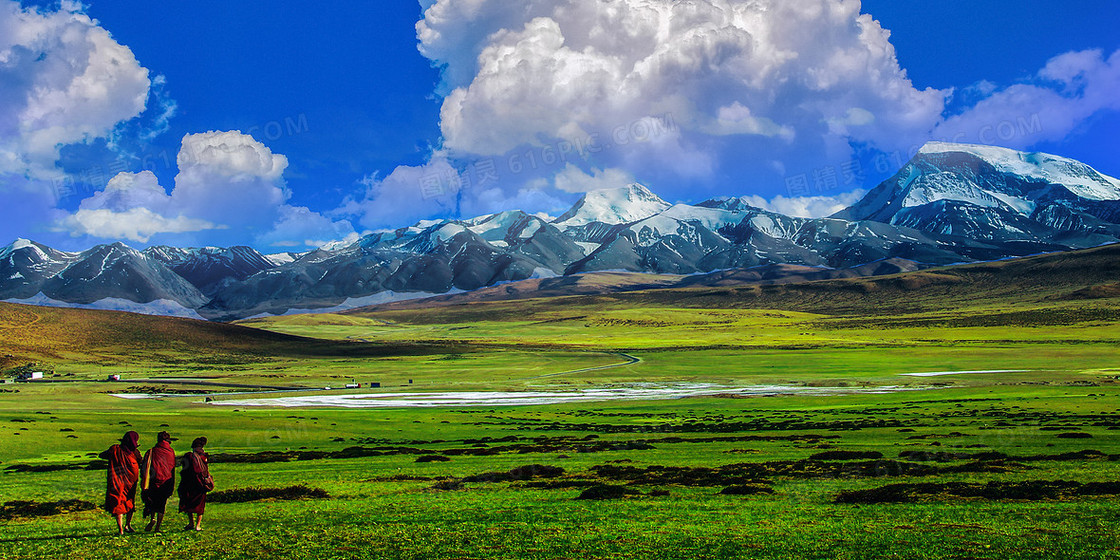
(435,482)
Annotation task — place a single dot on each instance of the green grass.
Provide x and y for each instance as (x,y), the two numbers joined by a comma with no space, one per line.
(372,516)
(854,334)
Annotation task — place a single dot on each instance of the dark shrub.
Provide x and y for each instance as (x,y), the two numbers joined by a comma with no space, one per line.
(841,455)
(746,490)
(11,510)
(448,485)
(526,472)
(238,495)
(607,492)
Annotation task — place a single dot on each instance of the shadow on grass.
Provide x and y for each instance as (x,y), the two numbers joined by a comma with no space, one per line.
(59,537)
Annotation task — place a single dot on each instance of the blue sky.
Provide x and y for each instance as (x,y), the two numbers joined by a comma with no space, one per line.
(283,126)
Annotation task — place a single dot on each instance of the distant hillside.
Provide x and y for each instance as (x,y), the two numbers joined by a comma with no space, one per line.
(32,333)
(1076,278)
(49,333)
(602,283)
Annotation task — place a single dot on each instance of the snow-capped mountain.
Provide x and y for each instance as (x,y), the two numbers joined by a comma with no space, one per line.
(34,271)
(997,194)
(207,268)
(951,203)
(25,265)
(613,206)
(278,259)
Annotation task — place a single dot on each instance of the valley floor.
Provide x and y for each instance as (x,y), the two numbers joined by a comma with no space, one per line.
(711,477)
(998,437)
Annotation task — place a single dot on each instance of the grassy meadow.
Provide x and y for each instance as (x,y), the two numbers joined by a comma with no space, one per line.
(1020,462)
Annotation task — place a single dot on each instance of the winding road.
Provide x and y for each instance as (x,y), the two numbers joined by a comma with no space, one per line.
(629,360)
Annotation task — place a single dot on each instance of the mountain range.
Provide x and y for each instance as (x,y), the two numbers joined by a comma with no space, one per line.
(950,203)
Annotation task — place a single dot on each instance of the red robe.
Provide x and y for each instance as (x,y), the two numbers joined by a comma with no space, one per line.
(192,489)
(157,478)
(124,471)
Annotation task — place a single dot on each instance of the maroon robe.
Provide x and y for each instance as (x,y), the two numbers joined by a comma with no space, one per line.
(192,489)
(124,471)
(158,478)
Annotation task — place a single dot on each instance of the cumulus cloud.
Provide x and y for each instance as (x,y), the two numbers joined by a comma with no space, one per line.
(226,180)
(806,206)
(1070,89)
(135,224)
(441,189)
(300,226)
(407,194)
(230,178)
(758,90)
(130,190)
(574,180)
(63,79)
(132,206)
(775,69)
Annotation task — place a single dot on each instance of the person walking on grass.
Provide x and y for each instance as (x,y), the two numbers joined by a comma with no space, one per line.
(194,483)
(157,480)
(123,473)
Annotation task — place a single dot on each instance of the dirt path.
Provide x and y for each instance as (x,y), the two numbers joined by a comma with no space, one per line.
(25,325)
(629,360)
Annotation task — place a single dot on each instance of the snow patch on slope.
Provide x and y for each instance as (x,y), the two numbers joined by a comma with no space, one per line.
(281,258)
(1080,179)
(588,248)
(946,186)
(388,296)
(163,307)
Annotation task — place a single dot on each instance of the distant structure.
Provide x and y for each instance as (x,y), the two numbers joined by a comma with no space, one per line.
(29,376)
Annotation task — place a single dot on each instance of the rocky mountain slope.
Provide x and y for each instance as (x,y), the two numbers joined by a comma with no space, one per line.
(951,203)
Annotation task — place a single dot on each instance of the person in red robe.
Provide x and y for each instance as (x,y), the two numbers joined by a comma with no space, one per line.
(124,472)
(194,483)
(157,480)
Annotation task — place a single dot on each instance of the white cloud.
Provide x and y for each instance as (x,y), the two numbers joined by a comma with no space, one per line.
(806,206)
(230,178)
(136,224)
(492,200)
(1070,89)
(573,179)
(407,194)
(226,180)
(130,190)
(756,89)
(63,79)
(771,68)
(737,119)
(298,225)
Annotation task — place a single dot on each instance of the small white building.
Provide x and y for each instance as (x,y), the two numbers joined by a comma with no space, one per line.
(36,375)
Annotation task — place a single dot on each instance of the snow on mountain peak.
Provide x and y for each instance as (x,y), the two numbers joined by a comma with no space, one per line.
(337,245)
(20,243)
(16,245)
(494,227)
(621,205)
(1081,179)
